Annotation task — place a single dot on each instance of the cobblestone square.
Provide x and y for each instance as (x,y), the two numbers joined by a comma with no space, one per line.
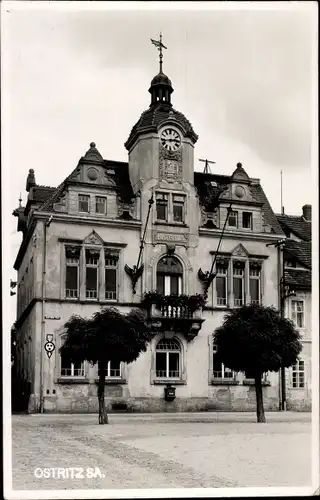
(163,451)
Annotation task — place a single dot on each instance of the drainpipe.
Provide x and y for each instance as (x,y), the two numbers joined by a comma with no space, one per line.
(280,308)
(282,305)
(46,224)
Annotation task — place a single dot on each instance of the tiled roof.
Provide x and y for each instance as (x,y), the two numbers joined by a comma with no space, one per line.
(48,204)
(270,218)
(154,116)
(200,180)
(297,225)
(299,250)
(122,178)
(40,194)
(300,279)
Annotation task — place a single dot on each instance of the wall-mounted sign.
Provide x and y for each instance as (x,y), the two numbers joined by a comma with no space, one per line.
(178,238)
(52,317)
(49,347)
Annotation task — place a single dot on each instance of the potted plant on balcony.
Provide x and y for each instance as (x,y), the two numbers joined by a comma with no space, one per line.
(189,302)
(196,301)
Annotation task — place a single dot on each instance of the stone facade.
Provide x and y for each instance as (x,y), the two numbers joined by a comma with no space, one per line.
(98,215)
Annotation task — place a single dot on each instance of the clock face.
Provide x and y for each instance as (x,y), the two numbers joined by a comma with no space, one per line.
(170,139)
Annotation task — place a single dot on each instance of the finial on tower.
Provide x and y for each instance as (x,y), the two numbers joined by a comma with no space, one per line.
(160,46)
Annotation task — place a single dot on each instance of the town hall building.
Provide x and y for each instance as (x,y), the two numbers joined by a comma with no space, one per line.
(80,253)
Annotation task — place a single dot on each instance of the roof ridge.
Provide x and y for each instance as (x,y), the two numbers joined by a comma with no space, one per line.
(43,186)
(293,216)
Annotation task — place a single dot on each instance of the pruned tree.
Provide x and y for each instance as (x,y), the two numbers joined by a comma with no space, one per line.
(108,336)
(254,339)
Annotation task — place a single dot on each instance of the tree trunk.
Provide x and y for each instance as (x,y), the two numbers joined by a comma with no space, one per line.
(259,398)
(103,417)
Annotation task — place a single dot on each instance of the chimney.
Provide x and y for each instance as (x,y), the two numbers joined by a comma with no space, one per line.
(31,180)
(306,212)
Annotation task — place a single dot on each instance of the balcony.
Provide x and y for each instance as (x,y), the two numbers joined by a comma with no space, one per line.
(174,313)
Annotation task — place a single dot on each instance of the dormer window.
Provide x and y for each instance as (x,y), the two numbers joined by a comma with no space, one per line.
(247,220)
(233,219)
(101,205)
(83,200)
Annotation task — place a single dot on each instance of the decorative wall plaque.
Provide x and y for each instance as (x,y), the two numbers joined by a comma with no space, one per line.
(170,166)
(178,238)
(92,174)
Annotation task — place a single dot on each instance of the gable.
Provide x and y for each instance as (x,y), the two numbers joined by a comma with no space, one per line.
(93,239)
(240,251)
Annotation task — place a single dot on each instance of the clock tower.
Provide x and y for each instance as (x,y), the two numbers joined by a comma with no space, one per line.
(161,143)
(161,165)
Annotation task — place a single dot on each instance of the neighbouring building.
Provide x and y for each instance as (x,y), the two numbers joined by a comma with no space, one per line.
(79,253)
(298,277)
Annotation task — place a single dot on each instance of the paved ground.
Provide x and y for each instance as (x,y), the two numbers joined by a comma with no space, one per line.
(162,451)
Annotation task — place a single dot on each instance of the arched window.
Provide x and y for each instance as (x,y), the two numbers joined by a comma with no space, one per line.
(169,276)
(168,358)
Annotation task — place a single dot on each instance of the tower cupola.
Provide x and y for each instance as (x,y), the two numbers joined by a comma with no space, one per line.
(161,87)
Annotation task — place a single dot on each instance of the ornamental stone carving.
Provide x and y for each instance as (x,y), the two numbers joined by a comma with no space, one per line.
(240,251)
(170,166)
(125,207)
(93,239)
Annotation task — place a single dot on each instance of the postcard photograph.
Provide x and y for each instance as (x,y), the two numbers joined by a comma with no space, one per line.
(160,249)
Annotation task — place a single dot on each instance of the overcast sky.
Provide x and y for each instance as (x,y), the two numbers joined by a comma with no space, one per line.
(242,77)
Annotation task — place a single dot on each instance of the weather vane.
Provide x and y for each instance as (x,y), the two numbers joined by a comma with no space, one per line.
(160,46)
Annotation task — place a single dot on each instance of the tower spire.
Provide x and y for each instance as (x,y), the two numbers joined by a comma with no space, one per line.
(160,53)
(160,46)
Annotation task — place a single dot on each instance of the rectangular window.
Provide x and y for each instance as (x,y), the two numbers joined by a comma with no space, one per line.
(297,313)
(298,374)
(219,370)
(221,285)
(162,207)
(167,364)
(255,285)
(69,369)
(101,205)
(247,220)
(111,273)
(92,264)
(233,219)
(238,284)
(178,208)
(113,369)
(72,272)
(84,201)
